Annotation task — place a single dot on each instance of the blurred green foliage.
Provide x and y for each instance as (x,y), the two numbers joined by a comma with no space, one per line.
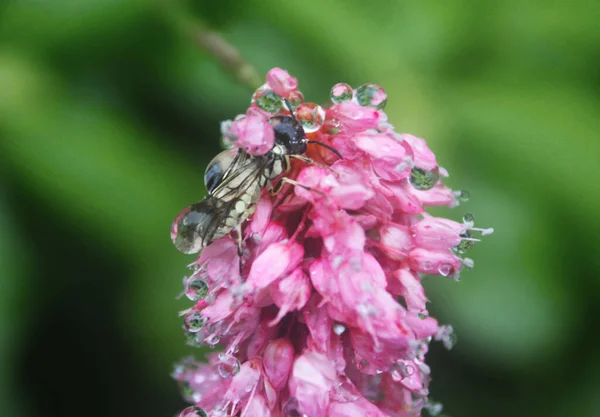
(109,113)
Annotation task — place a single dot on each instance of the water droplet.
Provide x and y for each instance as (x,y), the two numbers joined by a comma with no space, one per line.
(212,340)
(447,336)
(422,316)
(296,98)
(422,179)
(292,408)
(341,92)
(194,321)
(228,366)
(401,370)
(311,116)
(196,289)
(464,195)
(267,100)
(468,218)
(193,411)
(339,329)
(445,269)
(371,95)
(464,245)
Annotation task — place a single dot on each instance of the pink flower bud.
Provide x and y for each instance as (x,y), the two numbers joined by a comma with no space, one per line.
(254,134)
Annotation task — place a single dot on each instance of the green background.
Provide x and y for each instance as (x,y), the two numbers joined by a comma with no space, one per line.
(109,114)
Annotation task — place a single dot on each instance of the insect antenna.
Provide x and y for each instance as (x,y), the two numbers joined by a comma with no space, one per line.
(331,148)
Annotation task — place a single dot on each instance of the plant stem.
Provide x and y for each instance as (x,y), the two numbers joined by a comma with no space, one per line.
(214,44)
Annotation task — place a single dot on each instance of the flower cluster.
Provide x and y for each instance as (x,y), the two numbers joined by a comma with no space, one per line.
(325,314)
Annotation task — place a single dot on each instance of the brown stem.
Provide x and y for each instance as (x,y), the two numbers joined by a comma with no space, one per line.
(228,56)
(213,43)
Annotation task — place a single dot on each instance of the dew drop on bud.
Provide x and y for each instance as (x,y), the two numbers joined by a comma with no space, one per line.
(422,179)
(194,322)
(371,95)
(196,289)
(311,116)
(228,366)
(267,100)
(341,92)
(468,218)
(193,411)
(296,98)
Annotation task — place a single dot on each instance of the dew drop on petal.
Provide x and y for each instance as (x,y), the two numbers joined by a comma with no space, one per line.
(445,269)
(196,289)
(228,366)
(311,116)
(371,95)
(193,411)
(267,100)
(194,322)
(341,92)
(423,179)
(296,98)
(212,340)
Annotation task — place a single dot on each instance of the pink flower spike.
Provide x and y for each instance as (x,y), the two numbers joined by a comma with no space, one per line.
(313,293)
(254,134)
(281,82)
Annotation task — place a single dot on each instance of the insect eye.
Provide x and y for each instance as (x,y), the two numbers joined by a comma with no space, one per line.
(216,168)
(289,133)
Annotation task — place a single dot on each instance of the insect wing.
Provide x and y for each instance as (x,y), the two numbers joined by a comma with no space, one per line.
(197,225)
(244,176)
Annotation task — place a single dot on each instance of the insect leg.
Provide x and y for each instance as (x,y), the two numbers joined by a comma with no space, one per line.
(240,249)
(285,180)
(309,161)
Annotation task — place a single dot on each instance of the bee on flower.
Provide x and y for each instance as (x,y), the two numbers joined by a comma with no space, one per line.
(310,261)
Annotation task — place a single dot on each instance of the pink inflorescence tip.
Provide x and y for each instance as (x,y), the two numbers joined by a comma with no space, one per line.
(325,314)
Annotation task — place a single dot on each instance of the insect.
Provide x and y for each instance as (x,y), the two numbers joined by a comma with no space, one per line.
(234,182)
